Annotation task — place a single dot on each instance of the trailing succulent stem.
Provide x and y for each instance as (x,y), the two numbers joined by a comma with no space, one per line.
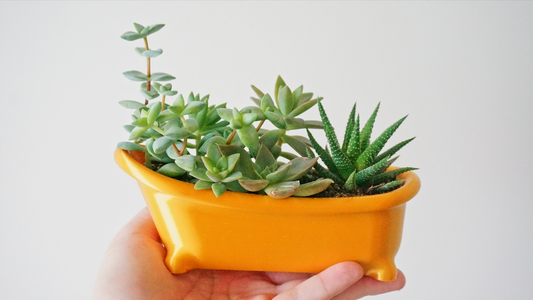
(357,165)
(215,147)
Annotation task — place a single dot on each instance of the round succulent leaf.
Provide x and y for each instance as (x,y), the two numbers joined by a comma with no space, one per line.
(149,95)
(232,177)
(140,50)
(152,53)
(131,36)
(171,152)
(130,146)
(235,187)
(225,113)
(253,185)
(161,77)
(299,167)
(255,110)
(244,163)
(279,174)
(161,144)
(312,188)
(131,104)
(186,162)
(171,170)
(177,133)
(191,124)
(285,100)
(128,128)
(282,189)
(250,138)
(235,124)
(218,188)
(202,185)
(248,118)
(157,86)
(193,107)
(136,76)
(215,140)
(236,114)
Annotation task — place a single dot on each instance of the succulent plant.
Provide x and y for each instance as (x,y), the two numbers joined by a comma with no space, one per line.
(357,165)
(215,147)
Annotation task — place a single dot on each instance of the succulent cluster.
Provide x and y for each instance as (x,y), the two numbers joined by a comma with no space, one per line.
(222,148)
(357,165)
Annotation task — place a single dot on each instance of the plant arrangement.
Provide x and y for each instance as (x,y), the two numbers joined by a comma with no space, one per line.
(220,148)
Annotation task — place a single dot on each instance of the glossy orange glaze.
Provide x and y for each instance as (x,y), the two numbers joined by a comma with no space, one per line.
(239,231)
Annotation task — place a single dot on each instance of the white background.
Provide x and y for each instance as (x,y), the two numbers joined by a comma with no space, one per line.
(463,71)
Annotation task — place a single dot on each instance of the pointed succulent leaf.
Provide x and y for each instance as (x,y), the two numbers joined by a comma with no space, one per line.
(264,157)
(349,130)
(285,100)
(152,29)
(363,176)
(282,189)
(256,101)
(131,104)
(244,163)
(234,124)
(138,27)
(253,185)
(276,119)
(294,123)
(296,144)
(314,124)
(222,163)
(136,76)
(213,176)
(313,187)
(369,154)
(387,187)
(305,97)
(264,173)
(297,93)
(232,161)
(199,174)
(218,188)
(193,107)
(354,145)
(137,132)
(271,138)
(249,137)
(258,92)
(279,84)
(176,110)
(203,185)
(302,108)
(288,155)
(171,170)
(389,176)
(177,133)
(130,146)
(232,177)
(276,151)
(186,162)
(161,77)
(141,122)
(157,86)
(342,162)
(234,186)
(279,174)
(367,129)
(216,140)
(153,113)
(161,144)
(131,36)
(324,155)
(393,149)
(299,167)
(179,102)
(266,102)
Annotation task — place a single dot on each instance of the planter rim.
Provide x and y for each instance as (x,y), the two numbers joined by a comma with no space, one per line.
(266,204)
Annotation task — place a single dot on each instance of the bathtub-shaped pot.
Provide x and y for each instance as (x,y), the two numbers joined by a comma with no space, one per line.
(239,231)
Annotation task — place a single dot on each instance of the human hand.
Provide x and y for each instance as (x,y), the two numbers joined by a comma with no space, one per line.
(133,268)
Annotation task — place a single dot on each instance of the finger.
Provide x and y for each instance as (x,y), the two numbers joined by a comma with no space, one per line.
(368,286)
(142,224)
(278,278)
(325,285)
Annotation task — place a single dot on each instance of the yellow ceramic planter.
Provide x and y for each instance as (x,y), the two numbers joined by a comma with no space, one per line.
(239,231)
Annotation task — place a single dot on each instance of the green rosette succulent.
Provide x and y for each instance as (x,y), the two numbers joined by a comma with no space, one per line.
(278,180)
(357,165)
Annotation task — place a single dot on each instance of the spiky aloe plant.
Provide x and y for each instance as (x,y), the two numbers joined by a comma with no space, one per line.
(357,165)
(214,147)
